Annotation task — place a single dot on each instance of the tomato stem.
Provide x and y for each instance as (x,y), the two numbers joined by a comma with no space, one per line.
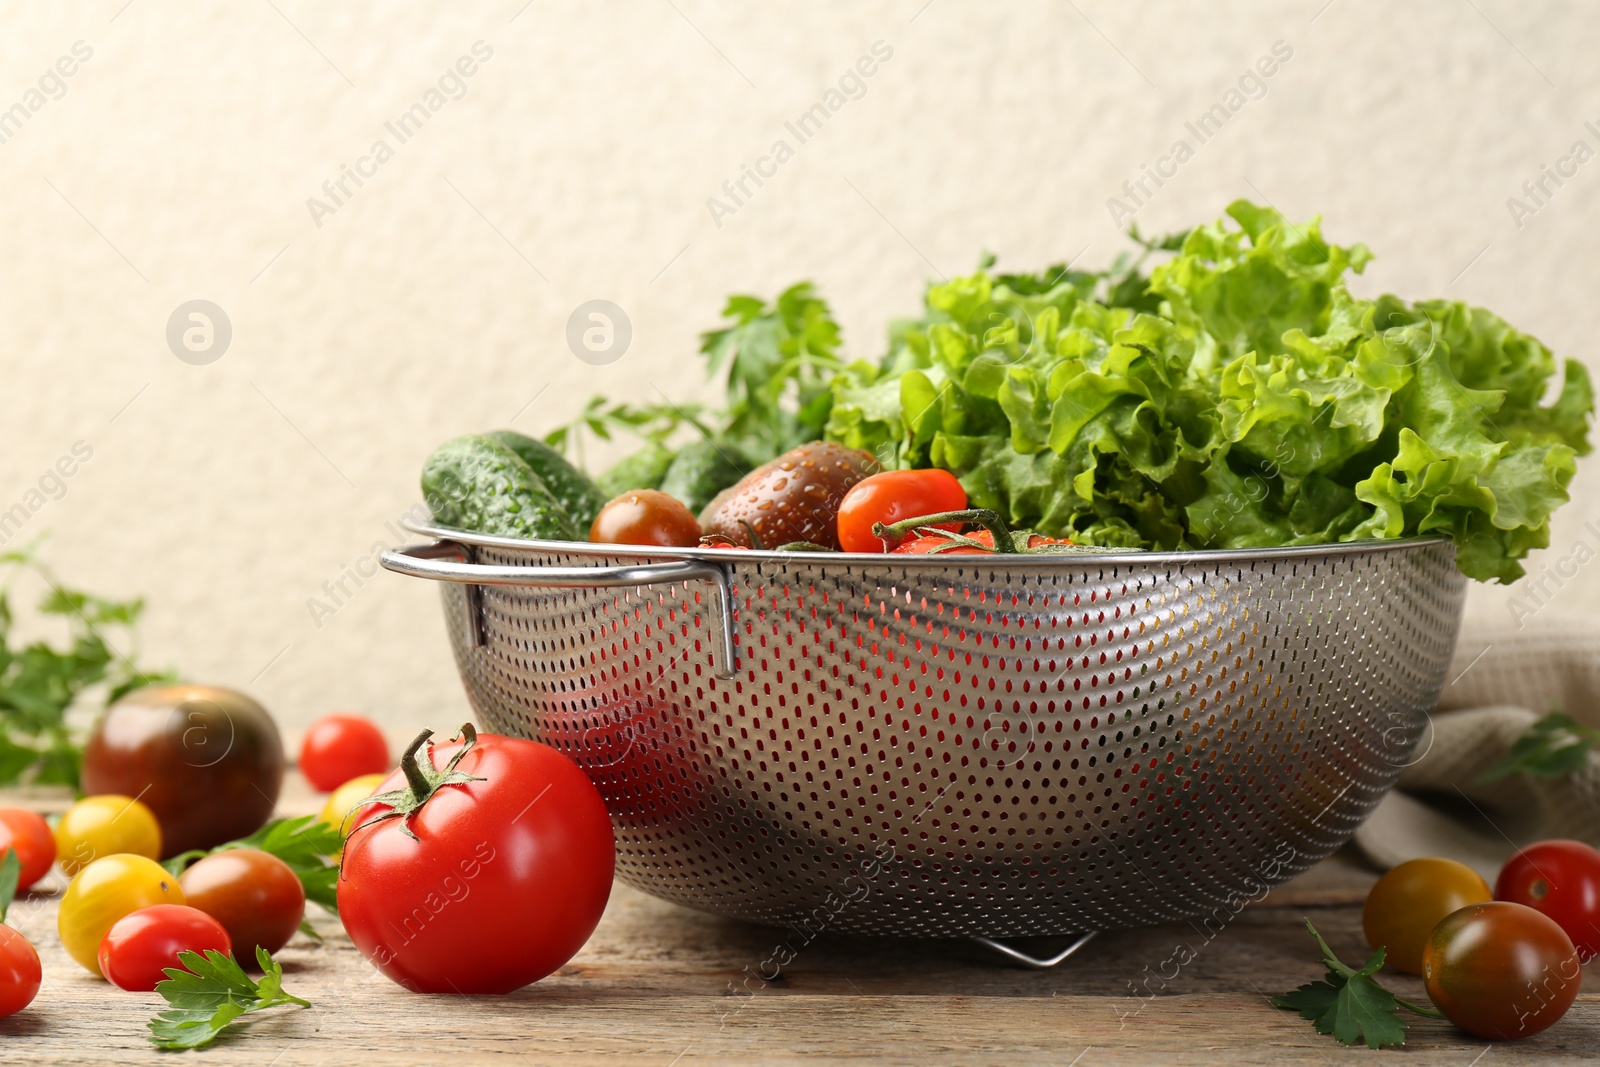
(422,781)
(421,788)
(893,533)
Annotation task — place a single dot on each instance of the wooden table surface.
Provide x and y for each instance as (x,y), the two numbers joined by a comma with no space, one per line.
(659,984)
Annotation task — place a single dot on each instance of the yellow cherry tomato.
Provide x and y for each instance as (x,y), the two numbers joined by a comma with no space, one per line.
(105,825)
(1407,903)
(103,892)
(342,803)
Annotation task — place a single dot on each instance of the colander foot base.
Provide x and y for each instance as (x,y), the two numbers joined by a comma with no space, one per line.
(1018,956)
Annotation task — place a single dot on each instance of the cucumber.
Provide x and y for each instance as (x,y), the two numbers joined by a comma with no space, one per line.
(642,470)
(701,470)
(571,487)
(474,483)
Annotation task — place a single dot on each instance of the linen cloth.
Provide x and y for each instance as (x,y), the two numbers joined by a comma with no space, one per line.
(1504,678)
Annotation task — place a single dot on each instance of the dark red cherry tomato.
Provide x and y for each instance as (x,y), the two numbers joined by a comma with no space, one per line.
(646,517)
(340,747)
(891,496)
(256,897)
(1500,970)
(141,945)
(1562,880)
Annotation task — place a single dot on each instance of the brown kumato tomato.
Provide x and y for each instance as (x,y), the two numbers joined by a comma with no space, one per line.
(1501,970)
(795,497)
(207,761)
(256,897)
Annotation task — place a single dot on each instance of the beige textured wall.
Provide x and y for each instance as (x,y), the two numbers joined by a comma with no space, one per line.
(178,162)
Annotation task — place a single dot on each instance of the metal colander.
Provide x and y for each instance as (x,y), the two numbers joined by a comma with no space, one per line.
(943,746)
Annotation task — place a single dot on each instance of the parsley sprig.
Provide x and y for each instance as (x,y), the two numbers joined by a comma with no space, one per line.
(1350,1004)
(1556,745)
(41,682)
(306,843)
(211,991)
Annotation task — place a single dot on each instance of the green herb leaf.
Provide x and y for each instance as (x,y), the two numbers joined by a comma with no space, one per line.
(209,992)
(1349,1003)
(41,682)
(1554,746)
(306,843)
(10,873)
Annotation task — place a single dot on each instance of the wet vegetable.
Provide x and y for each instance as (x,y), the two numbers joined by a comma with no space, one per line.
(795,497)
(474,483)
(571,488)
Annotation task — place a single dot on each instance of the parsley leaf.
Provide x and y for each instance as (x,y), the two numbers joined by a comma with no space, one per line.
(306,843)
(10,872)
(210,992)
(1350,1004)
(1554,746)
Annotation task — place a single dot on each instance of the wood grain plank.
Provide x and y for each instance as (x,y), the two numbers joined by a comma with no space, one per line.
(659,984)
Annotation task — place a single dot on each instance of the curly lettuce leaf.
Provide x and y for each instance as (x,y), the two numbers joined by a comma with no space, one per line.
(1240,396)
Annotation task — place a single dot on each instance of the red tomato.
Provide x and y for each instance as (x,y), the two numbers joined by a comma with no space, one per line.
(932,544)
(1500,970)
(30,837)
(19,972)
(505,879)
(1562,880)
(891,496)
(339,747)
(138,947)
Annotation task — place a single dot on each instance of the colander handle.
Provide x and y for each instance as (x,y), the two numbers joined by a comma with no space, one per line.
(447,561)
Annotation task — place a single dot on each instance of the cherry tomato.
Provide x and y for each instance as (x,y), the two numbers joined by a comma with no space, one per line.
(1500,970)
(29,836)
(207,761)
(256,897)
(1406,903)
(102,893)
(506,877)
(340,747)
(105,825)
(891,496)
(646,517)
(933,544)
(1561,879)
(20,973)
(139,946)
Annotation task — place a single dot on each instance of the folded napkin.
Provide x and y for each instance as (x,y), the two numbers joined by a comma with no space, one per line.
(1505,677)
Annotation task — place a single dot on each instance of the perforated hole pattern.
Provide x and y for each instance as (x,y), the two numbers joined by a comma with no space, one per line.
(1044,748)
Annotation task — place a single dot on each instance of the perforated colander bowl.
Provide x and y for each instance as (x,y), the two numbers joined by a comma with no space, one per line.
(941,746)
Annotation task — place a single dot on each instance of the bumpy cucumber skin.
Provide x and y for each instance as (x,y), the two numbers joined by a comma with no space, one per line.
(642,470)
(700,471)
(571,487)
(474,483)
